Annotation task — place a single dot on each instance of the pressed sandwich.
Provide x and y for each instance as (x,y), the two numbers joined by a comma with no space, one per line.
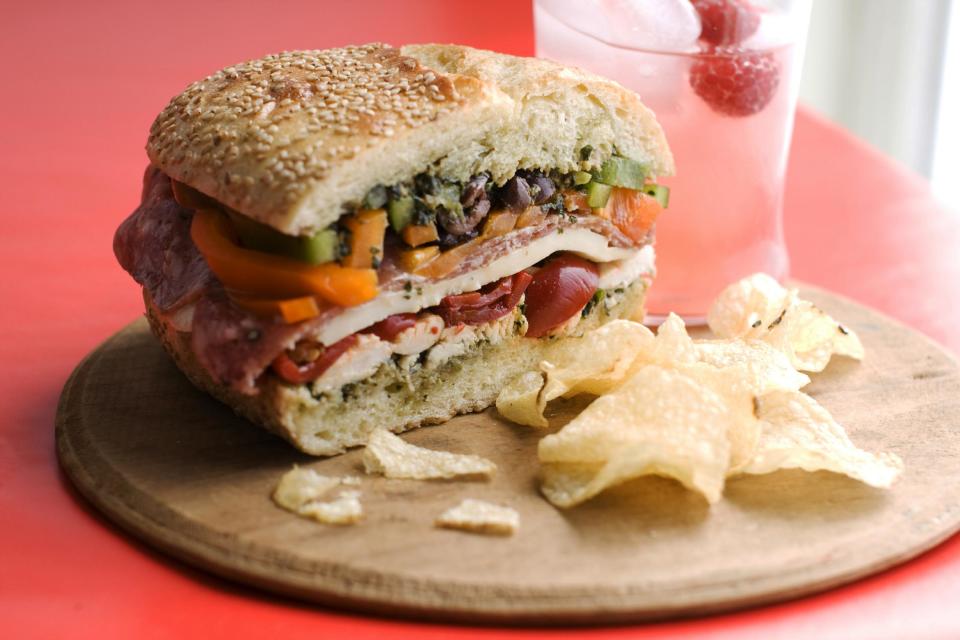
(335,241)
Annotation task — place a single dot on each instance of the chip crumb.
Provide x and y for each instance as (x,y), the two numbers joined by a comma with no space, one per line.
(301,490)
(388,455)
(478,516)
(344,509)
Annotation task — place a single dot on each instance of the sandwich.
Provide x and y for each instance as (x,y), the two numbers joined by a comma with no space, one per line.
(336,241)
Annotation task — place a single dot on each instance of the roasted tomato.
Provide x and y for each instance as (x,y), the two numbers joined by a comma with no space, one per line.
(493,301)
(388,328)
(289,367)
(633,212)
(559,290)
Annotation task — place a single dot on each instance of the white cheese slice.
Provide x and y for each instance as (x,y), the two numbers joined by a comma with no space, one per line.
(622,272)
(422,293)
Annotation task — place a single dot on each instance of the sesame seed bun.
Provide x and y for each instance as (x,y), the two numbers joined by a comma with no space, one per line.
(295,140)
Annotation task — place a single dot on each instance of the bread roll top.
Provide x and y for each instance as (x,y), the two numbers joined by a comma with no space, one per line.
(297,139)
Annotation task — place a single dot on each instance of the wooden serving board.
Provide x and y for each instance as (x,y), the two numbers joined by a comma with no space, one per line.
(179,470)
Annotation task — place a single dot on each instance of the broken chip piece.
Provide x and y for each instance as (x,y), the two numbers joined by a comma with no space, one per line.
(344,509)
(478,516)
(301,490)
(388,455)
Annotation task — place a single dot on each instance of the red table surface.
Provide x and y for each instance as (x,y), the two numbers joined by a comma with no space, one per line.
(81,85)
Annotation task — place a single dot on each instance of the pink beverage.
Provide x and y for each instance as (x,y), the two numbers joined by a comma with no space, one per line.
(728,114)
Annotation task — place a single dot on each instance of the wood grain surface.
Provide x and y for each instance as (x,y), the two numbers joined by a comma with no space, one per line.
(180,471)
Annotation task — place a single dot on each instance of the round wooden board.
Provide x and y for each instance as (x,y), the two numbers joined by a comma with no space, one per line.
(181,471)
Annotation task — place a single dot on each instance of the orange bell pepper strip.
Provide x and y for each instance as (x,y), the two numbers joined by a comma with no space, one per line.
(418,234)
(292,310)
(367,229)
(633,212)
(448,260)
(263,275)
(530,216)
(413,259)
(499,223)
(575,201)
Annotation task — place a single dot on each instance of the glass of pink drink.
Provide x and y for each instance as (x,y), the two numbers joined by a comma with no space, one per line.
(722,77)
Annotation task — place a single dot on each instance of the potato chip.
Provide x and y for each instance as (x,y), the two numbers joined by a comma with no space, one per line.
(798,433)
(658,422)
(765,368)
(673,347)
(521,400)
(758,308)
(300,490)
(301,485)
(478,516)
(344,509)
(748,304)
(594,363)
(810,337)
(733,385)
(389,455)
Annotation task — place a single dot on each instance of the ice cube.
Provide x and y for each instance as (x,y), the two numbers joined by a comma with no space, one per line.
(581,32)
(660,25)
(775,30)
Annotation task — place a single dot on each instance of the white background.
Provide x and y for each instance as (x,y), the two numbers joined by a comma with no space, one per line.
(889,71)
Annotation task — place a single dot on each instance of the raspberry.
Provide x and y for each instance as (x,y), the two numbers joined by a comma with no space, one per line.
(734,82)
(725,22)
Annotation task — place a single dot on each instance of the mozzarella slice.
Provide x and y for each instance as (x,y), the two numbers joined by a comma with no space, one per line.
(422,293)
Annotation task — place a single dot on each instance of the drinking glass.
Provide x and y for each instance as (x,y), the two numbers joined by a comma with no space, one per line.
(723,83)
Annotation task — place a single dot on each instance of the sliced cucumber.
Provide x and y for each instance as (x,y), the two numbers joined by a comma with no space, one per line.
(658,191)
(621,172)
(316,249)
(598,194)
(400,212)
